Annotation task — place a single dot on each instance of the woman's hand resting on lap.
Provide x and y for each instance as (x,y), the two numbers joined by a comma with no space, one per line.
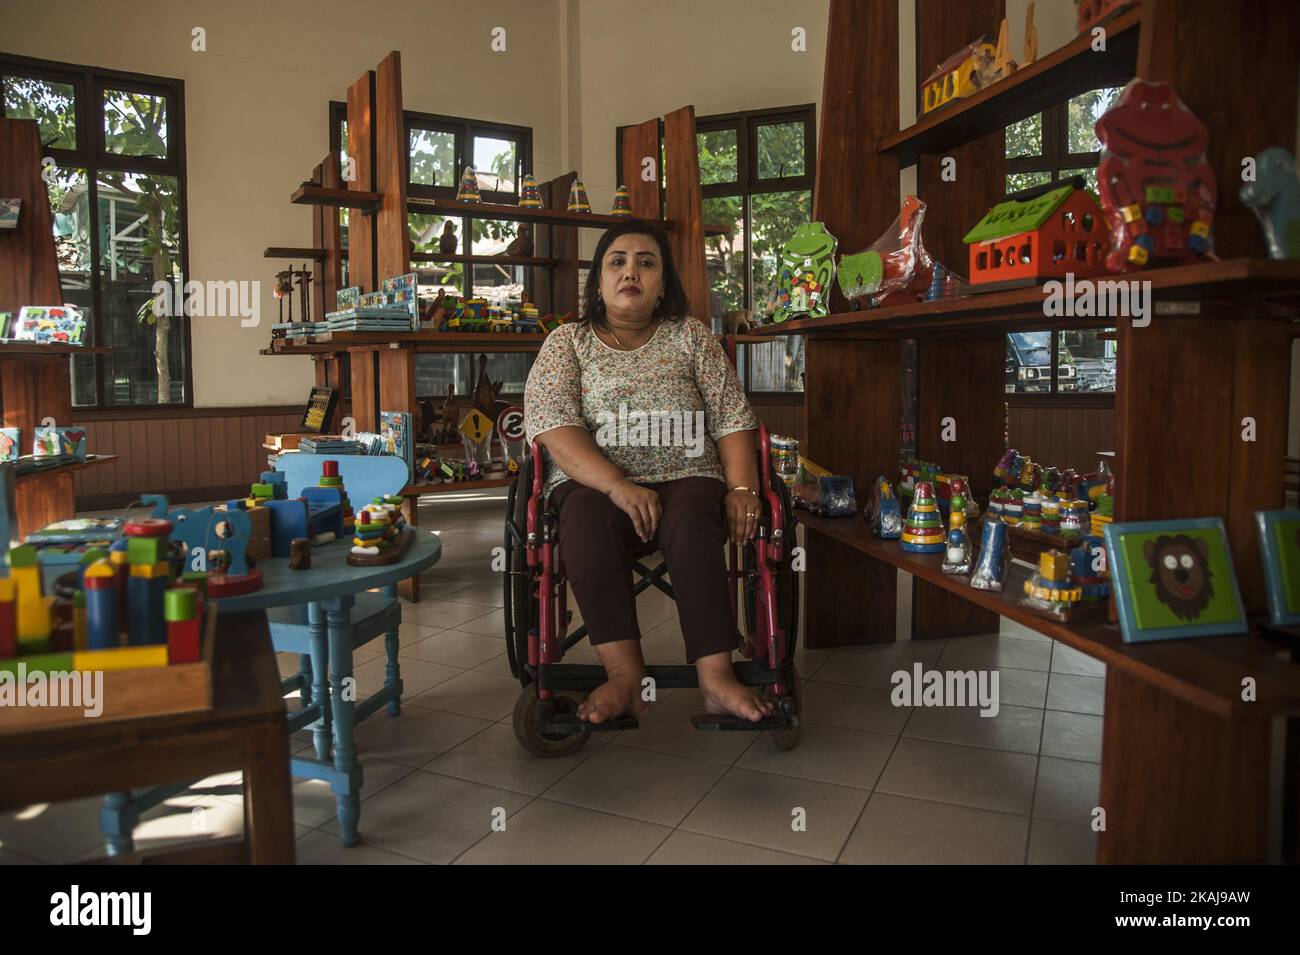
(639,503)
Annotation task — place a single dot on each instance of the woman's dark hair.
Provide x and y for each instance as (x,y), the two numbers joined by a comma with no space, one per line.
(673,305)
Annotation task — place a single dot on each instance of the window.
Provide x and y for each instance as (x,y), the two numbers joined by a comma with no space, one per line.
(756,178)
(438,150)
(118,201)
(1057,143)
(1053,145)
(1082,361)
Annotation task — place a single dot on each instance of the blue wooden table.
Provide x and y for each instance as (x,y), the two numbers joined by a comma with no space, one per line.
(322,603)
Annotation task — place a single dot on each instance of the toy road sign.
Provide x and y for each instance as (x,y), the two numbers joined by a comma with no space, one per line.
(475,427)
(510,423)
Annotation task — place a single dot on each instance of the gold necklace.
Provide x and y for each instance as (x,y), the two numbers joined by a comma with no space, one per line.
(616,339)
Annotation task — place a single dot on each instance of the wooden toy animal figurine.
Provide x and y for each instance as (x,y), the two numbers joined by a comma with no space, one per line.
(449,416)
(447,241)
(1031,36)
(284,290)
(1157,189)
(523,242)
(1274,197)
(486,390)
(736,322)
(300,553)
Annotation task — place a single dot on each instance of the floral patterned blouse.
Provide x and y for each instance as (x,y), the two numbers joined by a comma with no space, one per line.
(655,411)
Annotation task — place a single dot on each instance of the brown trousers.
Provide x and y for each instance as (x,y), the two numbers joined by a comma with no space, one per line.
(597,541)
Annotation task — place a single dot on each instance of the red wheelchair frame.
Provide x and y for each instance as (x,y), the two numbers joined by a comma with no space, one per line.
(545,720)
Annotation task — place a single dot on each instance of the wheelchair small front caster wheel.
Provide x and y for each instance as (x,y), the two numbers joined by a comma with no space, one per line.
(528,733)
(790,707)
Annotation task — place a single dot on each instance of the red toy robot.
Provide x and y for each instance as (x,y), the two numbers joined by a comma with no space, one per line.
(1157,189)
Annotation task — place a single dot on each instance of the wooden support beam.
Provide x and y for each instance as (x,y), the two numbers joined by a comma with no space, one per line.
(638,143)
(392,241)
(362,266)
(685,208)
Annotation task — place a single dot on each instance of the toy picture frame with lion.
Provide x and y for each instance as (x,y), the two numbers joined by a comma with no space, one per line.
(1174,579)
(1279,544)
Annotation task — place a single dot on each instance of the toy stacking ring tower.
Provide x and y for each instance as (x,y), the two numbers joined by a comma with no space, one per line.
(923,530)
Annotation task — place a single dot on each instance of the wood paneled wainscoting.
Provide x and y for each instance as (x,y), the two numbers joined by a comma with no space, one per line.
(199,454)
(782,413)
(1061,432)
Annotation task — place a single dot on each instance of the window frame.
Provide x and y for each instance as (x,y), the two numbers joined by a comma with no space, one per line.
(1055,159)
(90,153)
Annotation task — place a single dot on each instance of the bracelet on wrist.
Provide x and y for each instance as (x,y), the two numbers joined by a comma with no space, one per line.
(742,487)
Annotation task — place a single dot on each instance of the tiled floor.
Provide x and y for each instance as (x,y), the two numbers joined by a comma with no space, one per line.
(869,782)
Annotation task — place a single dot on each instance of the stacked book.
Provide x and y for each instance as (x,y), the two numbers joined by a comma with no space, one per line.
(394,308)
(329,444)
(295,329)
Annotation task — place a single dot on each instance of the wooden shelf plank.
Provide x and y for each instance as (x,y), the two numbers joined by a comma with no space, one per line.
(1205,672)
(414,490)
(432,342)
(33,350)
(310,194)
(538,261)
(289,252)
(1238,279)
(92,460)
(450,208)
(1073,69)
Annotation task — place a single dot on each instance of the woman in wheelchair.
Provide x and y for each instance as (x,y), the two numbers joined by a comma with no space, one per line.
(651,442)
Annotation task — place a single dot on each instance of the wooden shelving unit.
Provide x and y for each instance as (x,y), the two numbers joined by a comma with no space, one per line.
(1259,281)
(363,201)
(92,461)
(1187,767)
(286,252)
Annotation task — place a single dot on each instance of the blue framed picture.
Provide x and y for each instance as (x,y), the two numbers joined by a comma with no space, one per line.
(1174,579)
(1279,545)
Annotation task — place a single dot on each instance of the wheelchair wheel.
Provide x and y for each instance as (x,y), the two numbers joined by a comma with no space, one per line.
(787,584)
(521,607)
(544,744)
(785,740)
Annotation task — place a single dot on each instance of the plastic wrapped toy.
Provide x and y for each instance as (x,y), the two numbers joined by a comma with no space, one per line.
(882,511)
(896,269)
(991,566)
(1157,189)
(957,554)
(803,275)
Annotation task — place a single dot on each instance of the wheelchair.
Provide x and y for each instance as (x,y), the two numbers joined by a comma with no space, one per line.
(764,590)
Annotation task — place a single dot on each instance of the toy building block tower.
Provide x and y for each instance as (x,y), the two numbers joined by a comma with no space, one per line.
(622,202)
(468,191)
(32,607)
(957,556)
(578,197)
(529,195)
(923,531)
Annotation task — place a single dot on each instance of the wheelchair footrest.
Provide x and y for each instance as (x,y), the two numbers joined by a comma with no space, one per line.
(569,725)
(725,723)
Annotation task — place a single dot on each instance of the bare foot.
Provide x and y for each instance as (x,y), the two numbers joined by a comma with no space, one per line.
(616,697)
(723,693)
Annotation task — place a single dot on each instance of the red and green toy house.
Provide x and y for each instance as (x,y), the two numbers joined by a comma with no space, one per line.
(1038,234)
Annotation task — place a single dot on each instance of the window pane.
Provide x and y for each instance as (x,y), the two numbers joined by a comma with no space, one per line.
(1084,362)
(1029,363)
(52,105)
(492,236)
(433,157)
(494,163)
(427,230)
(501,285)
(139,243)
(1082,114)
(70,206)
(718,156)
(724,257)
(774,218)
(433,373)
(780,150)
(1089,175)
(1023,180)
(135,124)
(776,366)
(1025,138)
